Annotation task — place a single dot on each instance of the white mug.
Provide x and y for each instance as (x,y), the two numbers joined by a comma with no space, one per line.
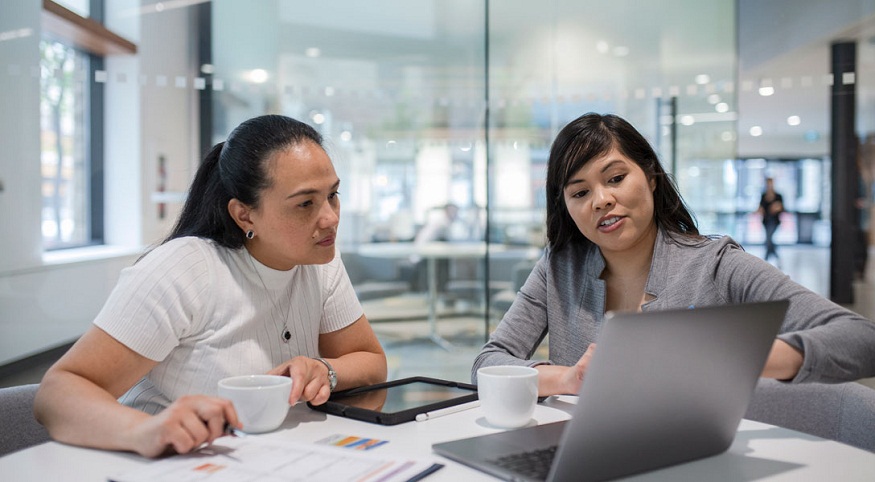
(261,401)
(508,394)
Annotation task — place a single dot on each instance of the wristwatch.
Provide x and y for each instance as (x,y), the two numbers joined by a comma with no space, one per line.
(332,375)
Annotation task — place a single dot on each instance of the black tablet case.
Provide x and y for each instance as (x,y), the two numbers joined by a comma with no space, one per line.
(336,406)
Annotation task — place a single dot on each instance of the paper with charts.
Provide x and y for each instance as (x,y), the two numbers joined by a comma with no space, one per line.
(271,460)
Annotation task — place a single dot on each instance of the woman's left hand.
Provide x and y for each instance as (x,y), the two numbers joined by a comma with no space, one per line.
(784,361)
(309,380)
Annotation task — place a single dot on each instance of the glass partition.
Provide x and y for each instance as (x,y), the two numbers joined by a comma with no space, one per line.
(400,89)
(439,116)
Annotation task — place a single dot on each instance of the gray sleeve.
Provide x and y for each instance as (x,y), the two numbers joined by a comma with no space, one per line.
(837,344)
(521,329)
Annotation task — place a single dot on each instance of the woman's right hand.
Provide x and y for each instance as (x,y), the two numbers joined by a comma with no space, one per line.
(560,380)
(188,423)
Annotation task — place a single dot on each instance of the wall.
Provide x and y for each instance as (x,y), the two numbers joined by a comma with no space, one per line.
(50,299)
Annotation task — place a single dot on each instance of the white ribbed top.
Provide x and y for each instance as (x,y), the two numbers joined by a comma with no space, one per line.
(204,313)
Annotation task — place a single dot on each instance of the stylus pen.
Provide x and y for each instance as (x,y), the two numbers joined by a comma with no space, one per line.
(446,411)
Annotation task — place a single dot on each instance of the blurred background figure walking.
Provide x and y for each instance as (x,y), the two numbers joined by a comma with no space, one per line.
(771,207)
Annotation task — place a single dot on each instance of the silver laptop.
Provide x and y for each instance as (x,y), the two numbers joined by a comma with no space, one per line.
(663,388)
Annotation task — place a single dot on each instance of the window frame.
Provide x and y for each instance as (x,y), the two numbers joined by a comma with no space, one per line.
(88,36)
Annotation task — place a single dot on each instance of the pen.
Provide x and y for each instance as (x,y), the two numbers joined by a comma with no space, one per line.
(446,411)
(229,430)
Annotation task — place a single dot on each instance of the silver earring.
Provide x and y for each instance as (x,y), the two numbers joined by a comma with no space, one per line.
(250,234)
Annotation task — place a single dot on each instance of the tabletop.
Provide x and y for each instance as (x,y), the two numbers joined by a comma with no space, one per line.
(759,452)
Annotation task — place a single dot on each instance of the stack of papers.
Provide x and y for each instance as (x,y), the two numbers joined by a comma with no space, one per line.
(271,460)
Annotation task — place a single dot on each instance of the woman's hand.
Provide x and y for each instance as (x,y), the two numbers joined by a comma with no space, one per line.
(784,361)
(185,425)
(559,380)
(309,380)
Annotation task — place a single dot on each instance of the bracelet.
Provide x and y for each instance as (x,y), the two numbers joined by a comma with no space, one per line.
(332,375)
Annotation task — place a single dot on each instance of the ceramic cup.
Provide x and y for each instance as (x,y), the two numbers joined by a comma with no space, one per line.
(508,394)
(261,401)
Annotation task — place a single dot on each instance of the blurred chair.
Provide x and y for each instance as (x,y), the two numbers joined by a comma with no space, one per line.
(503,299)
(374,278)
(844,412)
(20,428)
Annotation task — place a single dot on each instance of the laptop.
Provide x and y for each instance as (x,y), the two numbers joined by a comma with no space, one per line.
(663,388)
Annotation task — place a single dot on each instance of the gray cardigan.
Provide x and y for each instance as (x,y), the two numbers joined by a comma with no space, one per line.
(565,298)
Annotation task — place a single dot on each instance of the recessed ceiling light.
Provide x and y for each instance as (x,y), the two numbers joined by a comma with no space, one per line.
(794,120)
(703,79)
(258,76)
(756,131)
(766,90)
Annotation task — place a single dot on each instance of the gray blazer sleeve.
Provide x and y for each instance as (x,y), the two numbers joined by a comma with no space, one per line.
(522,328)
(838,344)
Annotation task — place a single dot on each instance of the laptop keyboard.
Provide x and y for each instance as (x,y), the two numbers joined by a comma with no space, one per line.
(535,464)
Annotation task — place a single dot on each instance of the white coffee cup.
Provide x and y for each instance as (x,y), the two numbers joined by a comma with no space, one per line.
(261,401)
(508,394)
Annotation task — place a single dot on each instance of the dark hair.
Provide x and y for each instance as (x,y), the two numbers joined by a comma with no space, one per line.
(592,135)
(237,168)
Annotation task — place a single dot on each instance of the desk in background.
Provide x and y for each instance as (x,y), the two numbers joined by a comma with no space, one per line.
(760,452)
(431,252)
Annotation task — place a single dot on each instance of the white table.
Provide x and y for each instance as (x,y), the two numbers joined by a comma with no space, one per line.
(760,452)
(431,252)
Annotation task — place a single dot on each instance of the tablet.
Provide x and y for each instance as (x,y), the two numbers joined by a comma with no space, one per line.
(397,401)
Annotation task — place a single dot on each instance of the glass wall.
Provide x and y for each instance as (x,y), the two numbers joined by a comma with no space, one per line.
(427,104)
(439,115)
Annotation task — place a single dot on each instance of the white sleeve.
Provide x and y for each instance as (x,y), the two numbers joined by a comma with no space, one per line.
(159,300)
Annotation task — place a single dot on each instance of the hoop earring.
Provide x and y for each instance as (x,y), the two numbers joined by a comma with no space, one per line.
(250,234)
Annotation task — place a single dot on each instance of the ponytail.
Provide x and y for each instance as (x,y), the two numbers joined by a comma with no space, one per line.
(205,213)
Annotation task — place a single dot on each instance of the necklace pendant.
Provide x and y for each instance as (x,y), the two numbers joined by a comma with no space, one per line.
(287,335)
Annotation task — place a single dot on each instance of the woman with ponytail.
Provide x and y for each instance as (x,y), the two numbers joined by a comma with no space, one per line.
(248,281)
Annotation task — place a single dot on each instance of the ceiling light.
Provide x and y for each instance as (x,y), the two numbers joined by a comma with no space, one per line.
(756,131)
(258,76)
(713,99)
(722,107)
(703,79)
(313,52)
(766,90)
(794,120)
(688,120)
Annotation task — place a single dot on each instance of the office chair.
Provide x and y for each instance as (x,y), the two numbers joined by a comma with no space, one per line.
(844,412)
(20,428)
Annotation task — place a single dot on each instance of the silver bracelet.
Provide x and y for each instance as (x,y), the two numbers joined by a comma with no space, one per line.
(332,375)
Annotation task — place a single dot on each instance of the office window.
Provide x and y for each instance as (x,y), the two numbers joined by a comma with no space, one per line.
(64,146)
